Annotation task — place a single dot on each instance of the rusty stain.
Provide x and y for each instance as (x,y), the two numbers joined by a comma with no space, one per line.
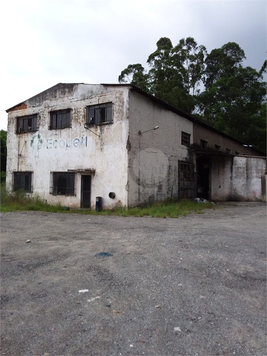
(21,106)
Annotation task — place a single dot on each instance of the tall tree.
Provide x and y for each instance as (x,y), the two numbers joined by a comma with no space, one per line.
(174,74)
(234,96)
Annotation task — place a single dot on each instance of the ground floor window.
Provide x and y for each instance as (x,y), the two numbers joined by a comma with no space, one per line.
(63,183)
(23,181)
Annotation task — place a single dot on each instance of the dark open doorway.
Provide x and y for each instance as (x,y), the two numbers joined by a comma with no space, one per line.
(203,176)
(86,192)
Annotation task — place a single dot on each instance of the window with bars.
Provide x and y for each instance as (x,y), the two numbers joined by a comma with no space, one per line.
(59,119)
(26,123)
(63,183)
(23,181)
(185,138)
(99,114)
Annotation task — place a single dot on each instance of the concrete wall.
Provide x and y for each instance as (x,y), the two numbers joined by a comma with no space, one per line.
(238,178)
(248,178)
(154,155)
(77,149)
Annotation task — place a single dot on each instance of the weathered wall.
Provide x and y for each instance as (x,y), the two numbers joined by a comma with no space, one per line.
(154,155)
(221,177)
(248,178)
(238,178)
(75,148)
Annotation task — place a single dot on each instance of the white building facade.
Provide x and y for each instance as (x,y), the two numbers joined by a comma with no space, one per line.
(86,146)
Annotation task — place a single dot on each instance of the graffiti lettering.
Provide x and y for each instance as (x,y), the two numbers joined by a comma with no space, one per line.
(66,143)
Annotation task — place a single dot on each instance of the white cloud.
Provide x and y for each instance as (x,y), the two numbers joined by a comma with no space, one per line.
(51,41)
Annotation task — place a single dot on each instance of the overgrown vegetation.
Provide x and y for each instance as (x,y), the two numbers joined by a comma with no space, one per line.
(19,201)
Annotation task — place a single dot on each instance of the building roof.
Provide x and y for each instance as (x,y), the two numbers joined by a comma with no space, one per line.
(151,97)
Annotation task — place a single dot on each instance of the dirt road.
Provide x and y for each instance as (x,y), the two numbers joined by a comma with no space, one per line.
(195,285)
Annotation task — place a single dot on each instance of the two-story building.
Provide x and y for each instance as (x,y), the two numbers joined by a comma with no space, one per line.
(74,143)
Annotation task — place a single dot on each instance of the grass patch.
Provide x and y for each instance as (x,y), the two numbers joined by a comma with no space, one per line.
(19,201)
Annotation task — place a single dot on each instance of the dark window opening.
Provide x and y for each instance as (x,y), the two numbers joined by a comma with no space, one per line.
(227,150)
(203,144)
(217,147)
(185,139)
(23,181)
(99,114)
(59,119)
(63,183)
(26,123)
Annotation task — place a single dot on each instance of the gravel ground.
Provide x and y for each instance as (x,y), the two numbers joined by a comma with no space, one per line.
(195,285)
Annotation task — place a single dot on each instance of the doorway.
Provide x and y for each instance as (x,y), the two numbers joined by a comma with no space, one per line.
(86,192)
(203,177)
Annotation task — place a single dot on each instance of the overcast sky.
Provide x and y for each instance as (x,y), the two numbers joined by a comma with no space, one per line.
(45,42)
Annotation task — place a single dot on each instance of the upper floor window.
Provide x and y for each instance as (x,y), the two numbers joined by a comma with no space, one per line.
(227,150)
(185,138)
(99,114)
(23,181)
(27,123)
(203,144)
(217,147)
(59,119)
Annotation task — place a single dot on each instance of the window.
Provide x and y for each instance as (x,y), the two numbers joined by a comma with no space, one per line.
(27,123)
(99,114)
(63,183)
(227,150)
(203,144)
(23,181)
(59,119)
(185,139)
(217,147)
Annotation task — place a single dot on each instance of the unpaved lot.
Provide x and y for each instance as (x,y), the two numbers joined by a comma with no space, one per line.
(195,285)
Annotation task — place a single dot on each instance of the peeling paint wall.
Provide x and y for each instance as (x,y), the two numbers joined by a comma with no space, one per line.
(154,154)
(102,148)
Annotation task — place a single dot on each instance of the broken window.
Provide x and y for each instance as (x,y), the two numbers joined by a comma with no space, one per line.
(203,144)
(23,181)
(63,183)
(185,138)
(99,114)
(59,119)
(27,123)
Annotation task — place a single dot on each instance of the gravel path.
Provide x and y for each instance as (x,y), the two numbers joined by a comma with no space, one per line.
(195,285)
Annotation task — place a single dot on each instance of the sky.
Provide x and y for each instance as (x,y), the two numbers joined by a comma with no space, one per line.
(46,42)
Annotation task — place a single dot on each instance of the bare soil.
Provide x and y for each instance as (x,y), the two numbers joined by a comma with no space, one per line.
(195,285)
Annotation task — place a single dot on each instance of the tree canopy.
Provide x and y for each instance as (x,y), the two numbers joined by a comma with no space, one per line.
(215,86)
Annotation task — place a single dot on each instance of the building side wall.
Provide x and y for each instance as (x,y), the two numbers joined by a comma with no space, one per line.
(154,154)
(101,149)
